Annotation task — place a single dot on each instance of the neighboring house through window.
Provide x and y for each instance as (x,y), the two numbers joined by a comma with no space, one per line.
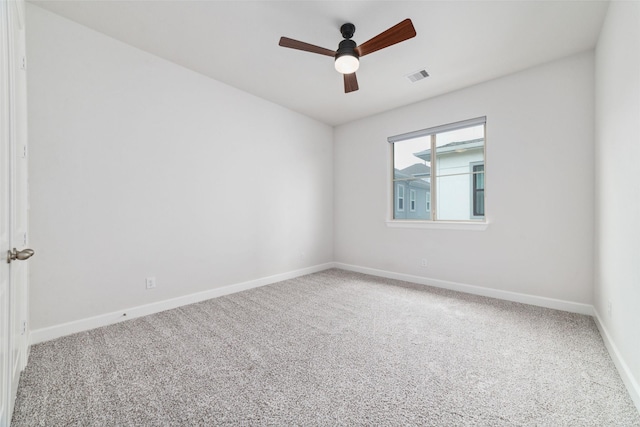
(444,169)
(413,178)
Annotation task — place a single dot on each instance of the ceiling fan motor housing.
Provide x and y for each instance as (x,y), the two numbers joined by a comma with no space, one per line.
(347,47)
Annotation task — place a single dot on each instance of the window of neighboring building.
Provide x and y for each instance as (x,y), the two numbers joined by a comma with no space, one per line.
(440,163)
(477,190)
(400,197)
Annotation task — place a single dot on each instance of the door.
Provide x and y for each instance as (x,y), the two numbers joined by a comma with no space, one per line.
(13,204)
(5,220)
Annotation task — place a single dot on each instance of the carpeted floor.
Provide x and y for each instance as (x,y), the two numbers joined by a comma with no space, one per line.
(331,348)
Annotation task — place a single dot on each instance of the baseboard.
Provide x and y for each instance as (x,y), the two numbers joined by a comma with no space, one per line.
(57,331)
(623,369)
(556,304)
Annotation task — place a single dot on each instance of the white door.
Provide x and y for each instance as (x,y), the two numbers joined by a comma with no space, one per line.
(13,204)
(4,218)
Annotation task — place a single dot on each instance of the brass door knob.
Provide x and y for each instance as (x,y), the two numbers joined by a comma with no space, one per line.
(19,255)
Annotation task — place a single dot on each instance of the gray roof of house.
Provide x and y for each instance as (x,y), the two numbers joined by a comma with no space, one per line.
(410,179)
(418,169)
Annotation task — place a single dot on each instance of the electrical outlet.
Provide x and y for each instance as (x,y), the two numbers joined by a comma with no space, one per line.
(423,262)
(150,282)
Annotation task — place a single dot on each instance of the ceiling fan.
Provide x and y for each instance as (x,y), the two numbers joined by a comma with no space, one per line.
(348,53)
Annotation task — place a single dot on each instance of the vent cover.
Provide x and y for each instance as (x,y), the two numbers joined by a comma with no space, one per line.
(417,75)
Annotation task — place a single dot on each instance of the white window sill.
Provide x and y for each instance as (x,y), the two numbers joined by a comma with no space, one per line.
(438,225)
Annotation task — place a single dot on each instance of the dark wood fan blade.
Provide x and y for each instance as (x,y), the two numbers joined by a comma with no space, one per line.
(350,83)
(295,44)
(396,34)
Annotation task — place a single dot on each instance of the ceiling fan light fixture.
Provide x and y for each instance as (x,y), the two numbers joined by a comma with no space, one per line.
(346,57)
(347,64)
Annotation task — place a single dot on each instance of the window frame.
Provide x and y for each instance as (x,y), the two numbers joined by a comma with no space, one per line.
(475,223)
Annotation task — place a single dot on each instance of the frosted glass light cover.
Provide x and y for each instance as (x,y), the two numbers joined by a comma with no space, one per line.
(347,64)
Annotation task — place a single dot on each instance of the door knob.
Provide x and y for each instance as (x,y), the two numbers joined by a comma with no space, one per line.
(19,255)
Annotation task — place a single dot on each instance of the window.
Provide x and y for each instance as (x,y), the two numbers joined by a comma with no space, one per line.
(477,190)
(445,166)
(400,196)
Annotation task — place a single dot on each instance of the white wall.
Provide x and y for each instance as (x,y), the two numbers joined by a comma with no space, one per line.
(142,168)
(539,187)
(617,141)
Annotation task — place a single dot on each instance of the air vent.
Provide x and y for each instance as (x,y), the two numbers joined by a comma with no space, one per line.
(418,75)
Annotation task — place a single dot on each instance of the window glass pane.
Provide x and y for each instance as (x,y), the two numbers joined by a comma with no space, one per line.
(454,198)
(407,154)
(411,169)
(478,207)
(455,150)
(478,190)
(416,194)
(479,176)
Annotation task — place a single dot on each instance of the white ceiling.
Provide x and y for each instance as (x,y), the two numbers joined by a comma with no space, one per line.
(460,43)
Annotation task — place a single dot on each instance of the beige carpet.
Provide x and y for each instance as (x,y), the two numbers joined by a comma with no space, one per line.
(331,348)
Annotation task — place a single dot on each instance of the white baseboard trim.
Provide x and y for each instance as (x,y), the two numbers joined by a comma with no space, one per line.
(623,369)
(556,304)
(57,331)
